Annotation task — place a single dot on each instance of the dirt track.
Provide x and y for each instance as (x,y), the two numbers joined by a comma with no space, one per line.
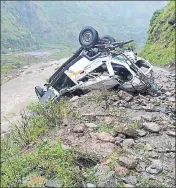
(19,92)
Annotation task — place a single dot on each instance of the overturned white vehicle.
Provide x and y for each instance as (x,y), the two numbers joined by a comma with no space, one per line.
(100,63)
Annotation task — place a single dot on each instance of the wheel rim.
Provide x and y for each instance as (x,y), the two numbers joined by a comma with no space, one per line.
(87,37)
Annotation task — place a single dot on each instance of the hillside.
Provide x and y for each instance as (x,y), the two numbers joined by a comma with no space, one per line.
(160,45)
(29,25)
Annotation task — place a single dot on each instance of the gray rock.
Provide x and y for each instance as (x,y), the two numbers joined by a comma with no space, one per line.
(91,125)
(155,167)
(111,179)
(78,129)
(118,140)
(53,183)
(90,117)
(168,94)
(130,180)
(106,137)
(141,167)
(151,126)
(129,161)
(171,99)
(154,155)
(128,185)
(125,96)
(171,133)
(128,143)
(121,135)
(74,98)
(101,170)
(141,132)
(89,185)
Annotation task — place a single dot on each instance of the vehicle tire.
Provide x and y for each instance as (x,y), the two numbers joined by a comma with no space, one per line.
(109,39)
(88,37)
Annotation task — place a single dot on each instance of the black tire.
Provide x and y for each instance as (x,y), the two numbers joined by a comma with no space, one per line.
(109,39)
(88,37)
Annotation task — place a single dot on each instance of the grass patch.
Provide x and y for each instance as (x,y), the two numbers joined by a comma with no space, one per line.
(29,162)
(106,128)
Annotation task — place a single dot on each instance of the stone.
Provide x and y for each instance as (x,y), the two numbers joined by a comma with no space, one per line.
(89,185)
(128,161)
(148,147)
(171,99)
(78,129)
(65,122)
(154,155)
(53,183)
(155,167)
(141,133)
(25,67)
(127,185)
(106,137)
(121,170)
(168,94)
(171,133)
(111,179)
(121,135)
(151,127)
(91,125)
(118,140)
(130,132)
(109,120)
(128,143)
(130,180)
(90,117)
(141,167)
(125,96)
(74,98)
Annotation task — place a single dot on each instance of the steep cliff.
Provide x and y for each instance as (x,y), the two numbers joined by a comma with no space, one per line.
(160,45)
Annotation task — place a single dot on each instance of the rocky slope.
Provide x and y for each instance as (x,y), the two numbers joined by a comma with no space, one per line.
(160,45)
(132,136)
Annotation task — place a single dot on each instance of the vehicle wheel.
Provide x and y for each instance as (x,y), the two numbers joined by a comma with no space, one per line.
(109,39)
(88,37)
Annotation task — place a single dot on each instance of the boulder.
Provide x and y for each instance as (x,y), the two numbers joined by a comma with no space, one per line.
(128,161)
(151,127)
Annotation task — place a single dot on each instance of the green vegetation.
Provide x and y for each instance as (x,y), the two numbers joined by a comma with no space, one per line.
(29,159)
(33,25)
(160,45)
